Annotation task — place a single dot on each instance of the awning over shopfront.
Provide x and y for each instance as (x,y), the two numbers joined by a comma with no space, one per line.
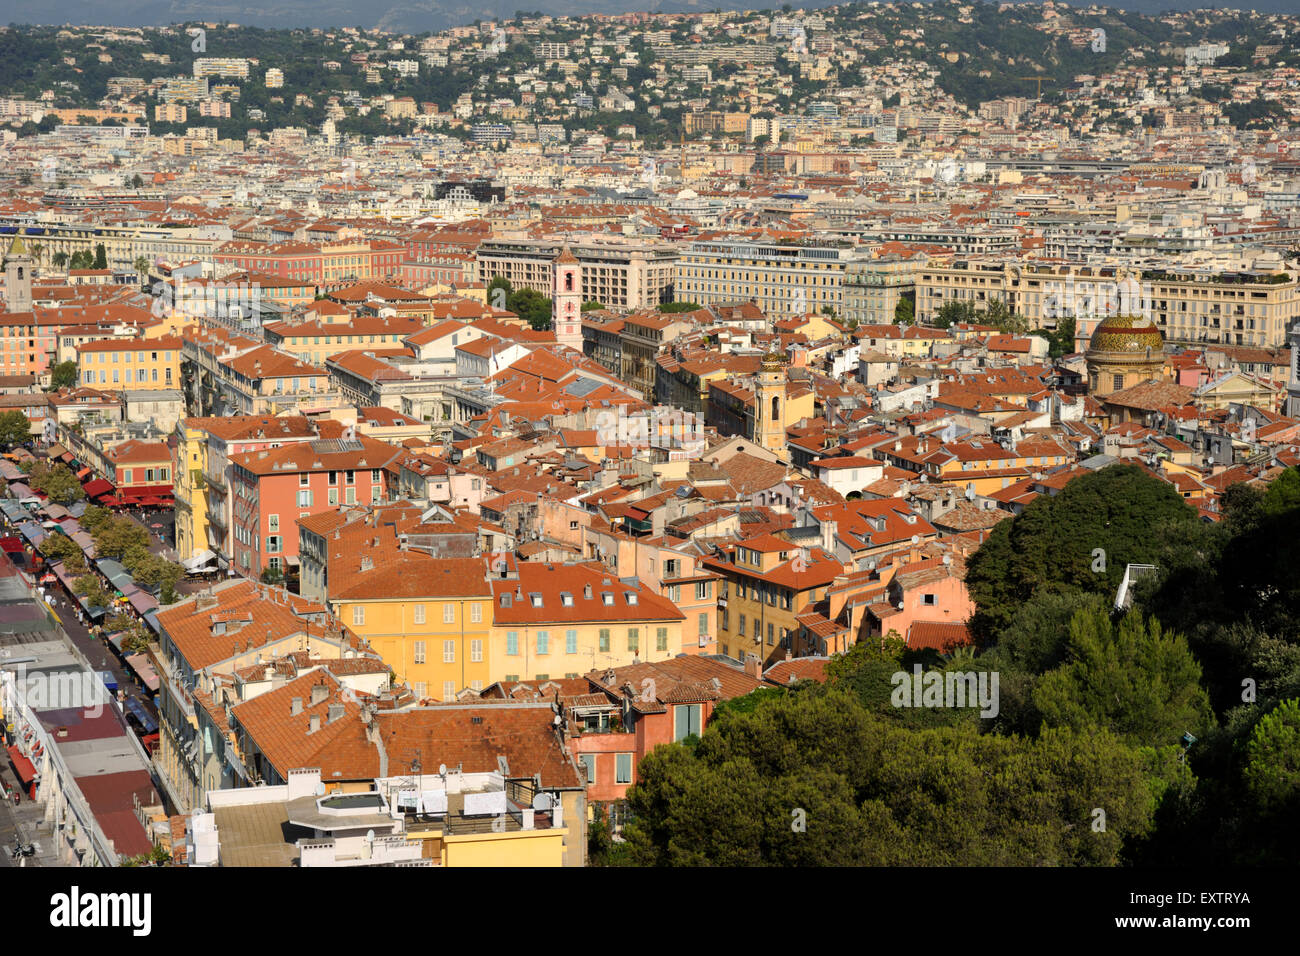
(25,769)
(143,602)
(200,559)
(83,474)
(11,544)
(32,532)
(97,487)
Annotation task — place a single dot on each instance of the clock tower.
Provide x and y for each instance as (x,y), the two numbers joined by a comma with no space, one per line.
(566,300)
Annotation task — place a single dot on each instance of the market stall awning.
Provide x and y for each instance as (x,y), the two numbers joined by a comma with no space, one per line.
(146,719)
(143,602)
(25,768)
(98,487)
(32,532)
(20,490)
(143,668)
(11,544)
(55,450)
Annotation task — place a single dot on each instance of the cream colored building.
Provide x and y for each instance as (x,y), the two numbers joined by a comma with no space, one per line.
(784,279)
(1202,306)
(618,273)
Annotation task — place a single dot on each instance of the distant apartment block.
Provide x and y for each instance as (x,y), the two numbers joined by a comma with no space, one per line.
(619,274)
(783,279)
(221,66)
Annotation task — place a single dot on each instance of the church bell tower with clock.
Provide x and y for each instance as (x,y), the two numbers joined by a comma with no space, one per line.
(566,300)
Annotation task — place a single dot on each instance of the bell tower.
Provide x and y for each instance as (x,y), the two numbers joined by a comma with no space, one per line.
(769,404)
(566,299)
(18,277)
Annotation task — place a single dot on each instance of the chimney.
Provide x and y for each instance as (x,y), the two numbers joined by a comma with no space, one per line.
(334,713)
(295,707)
(753,666)
(319,692)
(314,724)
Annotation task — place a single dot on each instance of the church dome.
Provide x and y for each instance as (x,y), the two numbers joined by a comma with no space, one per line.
(1126,334)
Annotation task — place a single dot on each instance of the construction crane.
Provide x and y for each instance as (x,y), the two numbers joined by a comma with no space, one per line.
(1039,81)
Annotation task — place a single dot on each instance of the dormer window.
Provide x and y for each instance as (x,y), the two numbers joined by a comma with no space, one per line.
(566,599)
(608,598)
(536,598)
(505,600)
(631,596)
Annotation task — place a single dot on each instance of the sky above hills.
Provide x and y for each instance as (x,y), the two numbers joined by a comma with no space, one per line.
(419,15)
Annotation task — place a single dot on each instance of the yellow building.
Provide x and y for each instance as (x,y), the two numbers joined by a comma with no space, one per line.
(563,620)
(189,464)
(767,583)
(130,364)
(430,619)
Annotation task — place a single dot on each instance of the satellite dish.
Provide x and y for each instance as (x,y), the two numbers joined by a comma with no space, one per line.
(320,789)
(442,769)
(542,801)
(370,836)
(916,539)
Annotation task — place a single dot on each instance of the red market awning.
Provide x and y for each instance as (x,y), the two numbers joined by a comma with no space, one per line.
(25,768)
(144,491)
(83,473)
(111,501)
(11,545)
(98,487)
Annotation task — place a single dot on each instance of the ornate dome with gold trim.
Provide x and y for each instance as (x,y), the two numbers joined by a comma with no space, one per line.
(1126,333)
(775,360)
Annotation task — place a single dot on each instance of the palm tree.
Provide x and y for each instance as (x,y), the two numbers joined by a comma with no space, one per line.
(60,259)
(142,267)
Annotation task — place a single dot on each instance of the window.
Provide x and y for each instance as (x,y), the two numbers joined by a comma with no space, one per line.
(604,640)
(929,600)
(418,611)
(128,475)
(304,499)
(448,690)
(334,478)
(476,613)
(421,690)
(512,643)
(771,632)
(703,590)
(358,614)
(351,496)
(374,474)
(272,544)
(449,652)
(589,764)
(350,476)
(686,721)
(571,641)
(741,631)
(476,651)
(333,496)
(419,652)
(449,614)
(304,480)
(633,638)
(543,642)
(704,625)
(661,639)
(623,768)
(474,684)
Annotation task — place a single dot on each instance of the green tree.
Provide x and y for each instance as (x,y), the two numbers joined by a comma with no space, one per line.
(59,259)
(272,576)
(117,536)
(1082,538)
(15,428)
(531,306)
(675,307)
(63,375)
(1272,771)
(101,257)
(1133,679)
(90,588)
(905,311)
(57,482)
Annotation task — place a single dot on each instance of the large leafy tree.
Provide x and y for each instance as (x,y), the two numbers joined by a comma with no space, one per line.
(56,481)
(1132,678)
(15,428)
(1082,538)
